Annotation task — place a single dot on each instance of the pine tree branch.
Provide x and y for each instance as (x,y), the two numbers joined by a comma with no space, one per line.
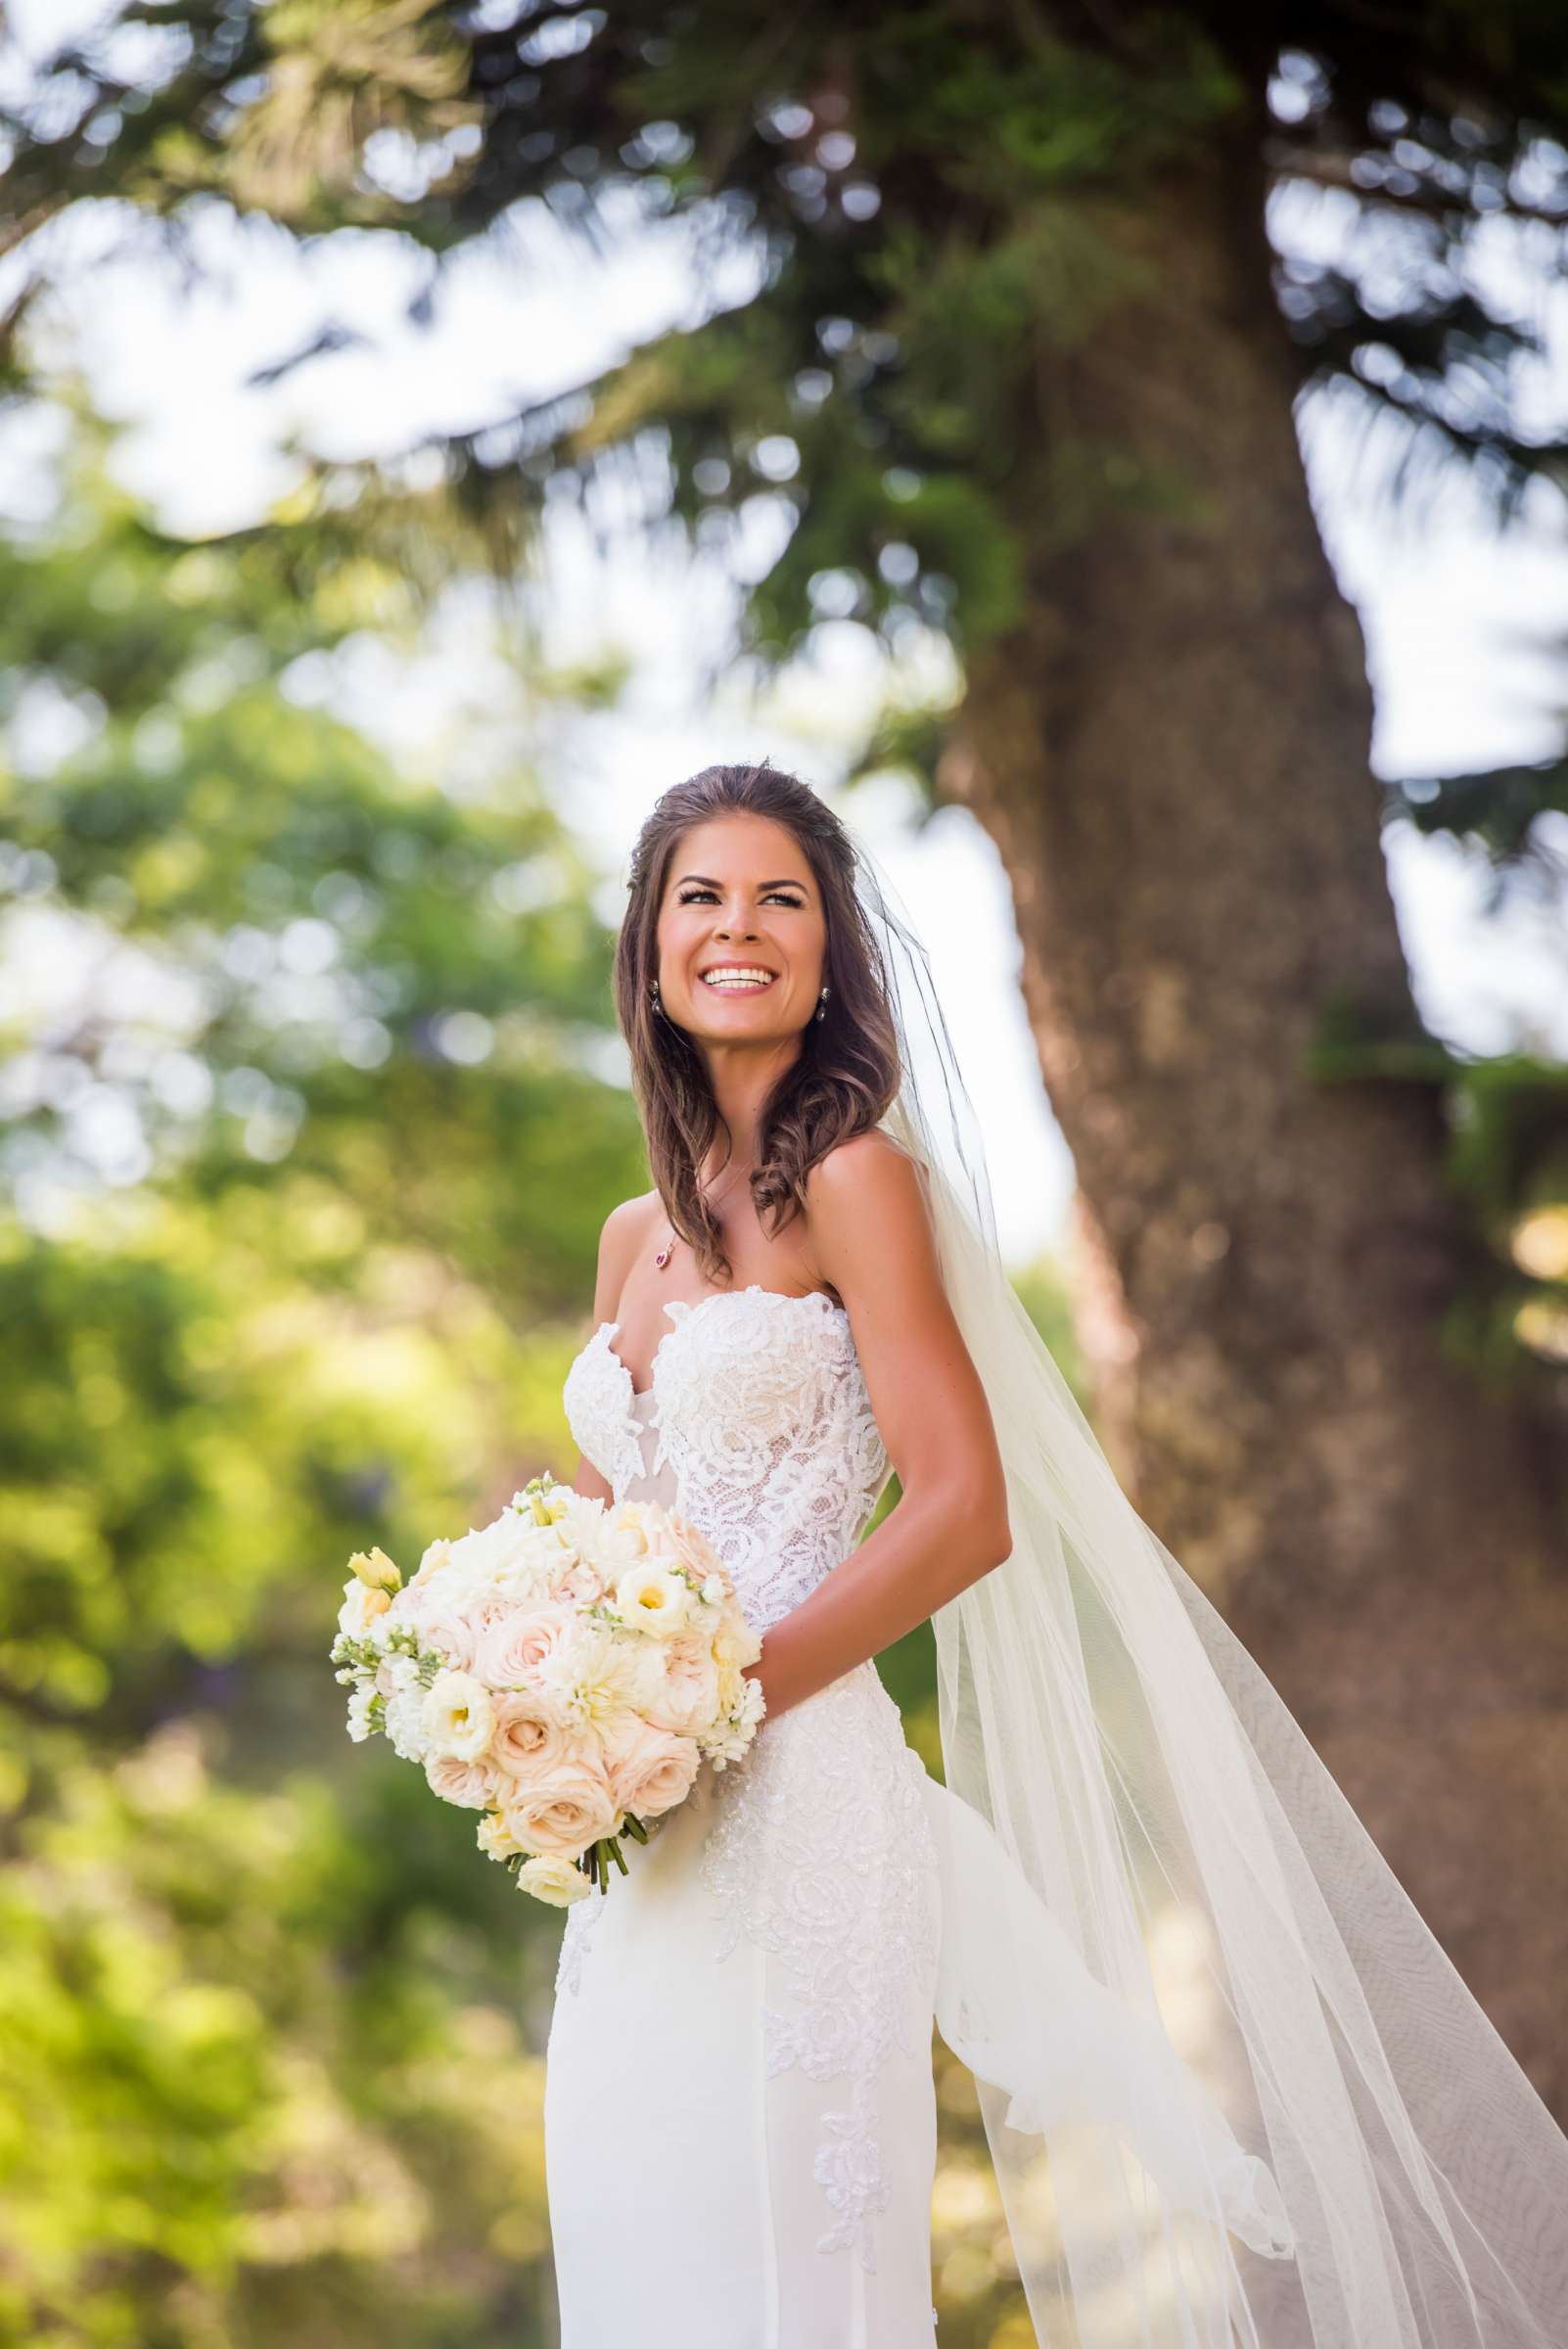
(1325,170)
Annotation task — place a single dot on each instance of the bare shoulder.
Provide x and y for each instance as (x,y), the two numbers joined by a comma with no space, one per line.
(861,1173)
(865,1203)
(626,1229)
(631,1217)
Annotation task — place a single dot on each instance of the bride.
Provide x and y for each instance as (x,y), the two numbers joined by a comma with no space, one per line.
(740,2118)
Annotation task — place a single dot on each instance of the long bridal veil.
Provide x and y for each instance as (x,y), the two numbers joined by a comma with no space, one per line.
(1357,2162)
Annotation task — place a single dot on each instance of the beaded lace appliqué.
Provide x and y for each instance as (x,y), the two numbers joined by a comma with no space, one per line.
(822,1854)
(575,1945)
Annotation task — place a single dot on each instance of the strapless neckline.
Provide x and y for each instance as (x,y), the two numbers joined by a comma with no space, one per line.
(680,1308)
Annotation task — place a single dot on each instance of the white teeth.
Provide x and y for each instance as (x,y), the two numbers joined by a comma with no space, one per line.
(731,982)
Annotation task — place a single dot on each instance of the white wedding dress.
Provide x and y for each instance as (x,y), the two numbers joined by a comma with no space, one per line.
(740,2113)
(740,2116)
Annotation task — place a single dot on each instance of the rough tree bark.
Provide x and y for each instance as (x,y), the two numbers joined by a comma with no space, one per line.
(1171,757)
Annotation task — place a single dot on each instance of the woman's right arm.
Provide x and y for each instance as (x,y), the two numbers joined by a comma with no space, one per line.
(618,1246)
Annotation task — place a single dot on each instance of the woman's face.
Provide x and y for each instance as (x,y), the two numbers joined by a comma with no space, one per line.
(740,896)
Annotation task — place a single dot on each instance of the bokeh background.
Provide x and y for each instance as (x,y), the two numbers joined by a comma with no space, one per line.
(1120,456)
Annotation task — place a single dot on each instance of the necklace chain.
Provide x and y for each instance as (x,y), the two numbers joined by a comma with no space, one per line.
(668,1248)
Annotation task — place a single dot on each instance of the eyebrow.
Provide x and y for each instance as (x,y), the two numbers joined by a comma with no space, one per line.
(785,881)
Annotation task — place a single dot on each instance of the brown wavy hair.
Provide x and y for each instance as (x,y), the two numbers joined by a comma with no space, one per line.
(846,1072)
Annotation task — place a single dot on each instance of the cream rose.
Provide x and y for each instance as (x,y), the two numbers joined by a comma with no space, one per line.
(566,1810)
(553,1880)
(650,1770)
(688,1698)
(495,1836)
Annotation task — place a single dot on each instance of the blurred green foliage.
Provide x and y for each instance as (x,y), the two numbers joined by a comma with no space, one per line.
(305,1158)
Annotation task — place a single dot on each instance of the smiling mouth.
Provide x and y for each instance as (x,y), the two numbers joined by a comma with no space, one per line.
(737,983)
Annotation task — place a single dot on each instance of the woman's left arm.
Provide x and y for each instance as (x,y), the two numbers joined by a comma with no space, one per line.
(871,1240)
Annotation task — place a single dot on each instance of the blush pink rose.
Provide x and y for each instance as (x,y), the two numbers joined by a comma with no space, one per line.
(689,1696)
(566,1810)
(650,1770)
(693,1550)
(450,1634)
(515,1643)
(471,1785)
(529,1742)
(581,1583)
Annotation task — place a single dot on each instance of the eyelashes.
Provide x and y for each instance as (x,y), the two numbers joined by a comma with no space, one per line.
(689,896)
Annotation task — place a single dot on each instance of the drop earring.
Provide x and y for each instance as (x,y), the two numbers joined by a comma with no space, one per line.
(821,1009)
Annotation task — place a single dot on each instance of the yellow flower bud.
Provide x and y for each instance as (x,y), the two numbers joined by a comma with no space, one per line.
(376,1568)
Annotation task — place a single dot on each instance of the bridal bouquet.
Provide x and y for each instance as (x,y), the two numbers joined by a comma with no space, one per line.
(562,1670)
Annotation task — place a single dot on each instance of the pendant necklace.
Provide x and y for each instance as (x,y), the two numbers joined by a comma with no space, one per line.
(668,1248)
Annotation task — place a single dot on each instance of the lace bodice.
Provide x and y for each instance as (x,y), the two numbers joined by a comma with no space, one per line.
(761,1417)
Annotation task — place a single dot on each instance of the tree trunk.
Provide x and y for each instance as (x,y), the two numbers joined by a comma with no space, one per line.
(1171,754)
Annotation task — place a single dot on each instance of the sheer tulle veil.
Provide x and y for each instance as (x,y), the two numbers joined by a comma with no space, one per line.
(1347,2156)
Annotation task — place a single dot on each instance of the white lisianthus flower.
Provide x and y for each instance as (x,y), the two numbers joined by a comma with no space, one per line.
(549,1878)
(458,1715)
(653,1598)
(714,1590)
(361,1604)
